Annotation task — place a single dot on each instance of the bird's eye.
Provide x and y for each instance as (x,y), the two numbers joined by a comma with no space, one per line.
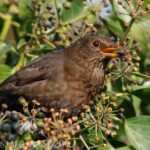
(96,44)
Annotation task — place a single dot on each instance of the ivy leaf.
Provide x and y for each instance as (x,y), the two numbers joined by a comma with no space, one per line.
(4,48)
(138,131)
(23,10)
(5,71)
(137,29)
(136,101)
(1,2)
(115,25)
(76,11)
(21,43)
(125,148)
(143,91)
(107,147)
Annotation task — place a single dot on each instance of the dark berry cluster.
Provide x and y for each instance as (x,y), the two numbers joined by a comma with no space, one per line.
(9,125)
(44,14)
(47,20)
(39,123)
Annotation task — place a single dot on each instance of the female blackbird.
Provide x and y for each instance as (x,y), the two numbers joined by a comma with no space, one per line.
(65,78)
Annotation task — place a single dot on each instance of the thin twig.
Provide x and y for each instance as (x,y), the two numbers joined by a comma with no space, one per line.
(85,144)
(89,127)
(127,31)
(49,43)
(58,15)
(140,74)
(129,28)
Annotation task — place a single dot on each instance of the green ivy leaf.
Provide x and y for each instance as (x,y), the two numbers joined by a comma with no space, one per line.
(73,13)
(23,10)
(138,131)
(115,25)
(107,147)
(21,43)
(5,71)
(4,48)
(136,102)
(143,91)
(1,2)
(137,29)
(124,148)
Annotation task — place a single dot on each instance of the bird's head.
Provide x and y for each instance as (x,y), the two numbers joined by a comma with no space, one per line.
(95,46)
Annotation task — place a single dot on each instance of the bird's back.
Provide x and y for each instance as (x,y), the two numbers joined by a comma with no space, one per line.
(48,79)
(62,79)
(34,76)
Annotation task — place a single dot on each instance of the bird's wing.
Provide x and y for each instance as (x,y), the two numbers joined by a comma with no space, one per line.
(40,69)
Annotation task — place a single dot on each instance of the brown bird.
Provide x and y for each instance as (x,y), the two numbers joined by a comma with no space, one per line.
(65,78)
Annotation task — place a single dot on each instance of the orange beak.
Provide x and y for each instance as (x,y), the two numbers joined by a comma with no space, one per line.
(111,52)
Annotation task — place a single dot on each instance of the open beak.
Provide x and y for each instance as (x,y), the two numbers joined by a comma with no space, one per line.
(113,52)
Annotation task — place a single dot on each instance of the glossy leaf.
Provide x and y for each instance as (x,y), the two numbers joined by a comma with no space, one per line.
(137,29)
(136,101)
(5,71)
(23,10)
(4,48)
(21,43)
(143,92)
(138,131)
(107,147)
(125,148)
(73,13)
